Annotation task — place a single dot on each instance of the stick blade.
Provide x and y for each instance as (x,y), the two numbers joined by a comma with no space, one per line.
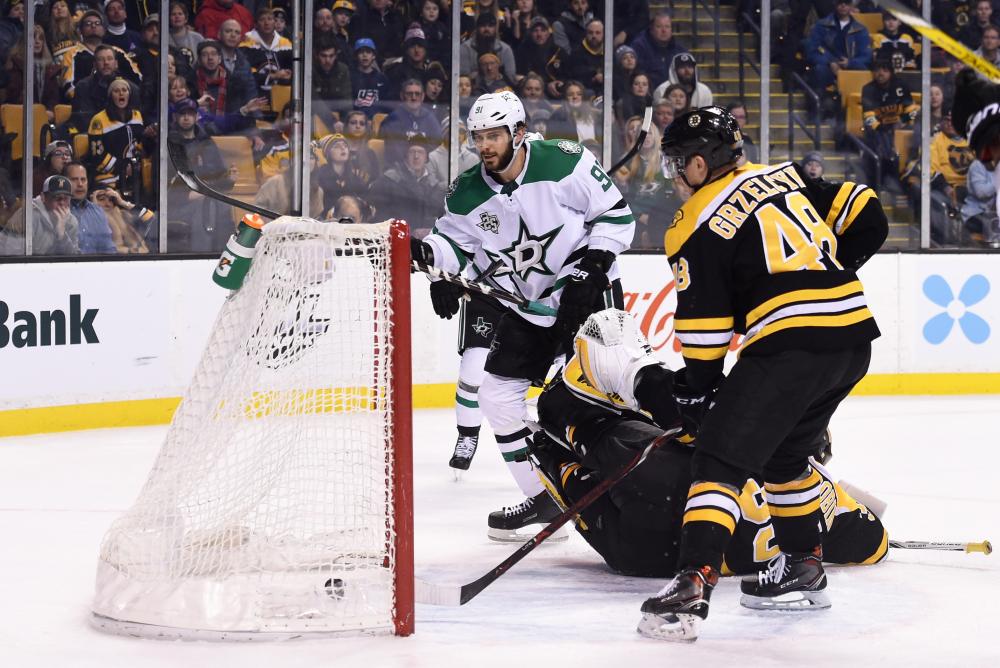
(431,593)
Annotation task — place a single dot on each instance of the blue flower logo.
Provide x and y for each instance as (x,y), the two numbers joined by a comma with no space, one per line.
(973,291)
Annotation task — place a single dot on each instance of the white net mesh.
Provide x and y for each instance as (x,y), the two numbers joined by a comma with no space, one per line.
(269,507)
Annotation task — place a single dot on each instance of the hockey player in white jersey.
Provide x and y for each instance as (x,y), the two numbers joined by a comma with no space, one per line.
(548,211)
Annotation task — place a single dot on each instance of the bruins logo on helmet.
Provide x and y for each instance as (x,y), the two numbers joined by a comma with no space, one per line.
(694,120)
(570,147)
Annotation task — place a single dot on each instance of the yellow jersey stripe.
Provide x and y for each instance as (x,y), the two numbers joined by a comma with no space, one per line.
(794,485)
(567,472)
(702,487)
(714,353)
(711,515)
(879,554)
(838,202)
(810,295)
(859,203)
(699,324)
(841,320)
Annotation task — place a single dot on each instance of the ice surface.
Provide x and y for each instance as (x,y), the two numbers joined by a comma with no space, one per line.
(935,460)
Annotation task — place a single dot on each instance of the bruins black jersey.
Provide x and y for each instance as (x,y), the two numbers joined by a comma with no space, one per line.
(886,103)
(771,254)
(112,144)
(78,63)
(900,49)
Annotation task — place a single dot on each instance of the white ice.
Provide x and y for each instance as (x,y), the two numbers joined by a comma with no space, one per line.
(933,459)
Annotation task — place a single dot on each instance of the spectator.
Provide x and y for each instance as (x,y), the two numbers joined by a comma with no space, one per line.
(409,190)
(275,193)
(339,176)
(225,95)
(625,65)
(952,15)
(473,9)
(539,55)
(645,166)
(182,36)
(324,24)
(438,159)
(118,34)
(990,47)
(635,101)
(362,156)
(435,94)
(94,232)
(198,224)
(950,161)
(115,133)
(485,40)
(812,163)
(281,25)
(539,122)
(45,78)
(369,86)
(78,61)
(435,31)
(490,77)
(276,153)
(663,114)
(532,94)
(465,98)
(61,31)
(586,61)
(684,73)
(124,235)
(343,12)
(656,47)
(350,209)
(331,83)
(630,18)
(739,111)
(147,55)
(92,92)
(678,97)
(519,27)
(576,120)
(384,26)
(212,13)
(408,120)
(972,33)
(937,107)
(234,59)
(836,42)
(571,26)
(269,54)
(979,212)
(57,155)
(885,103)
(55,229)
(414,62)
(894,45)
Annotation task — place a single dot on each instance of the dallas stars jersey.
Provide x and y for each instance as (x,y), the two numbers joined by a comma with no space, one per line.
(539,226)
(770,253)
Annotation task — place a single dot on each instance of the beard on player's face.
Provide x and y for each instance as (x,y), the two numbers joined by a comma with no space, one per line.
(497,156)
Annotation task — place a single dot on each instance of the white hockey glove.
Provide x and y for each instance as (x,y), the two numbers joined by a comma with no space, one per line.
(612,350)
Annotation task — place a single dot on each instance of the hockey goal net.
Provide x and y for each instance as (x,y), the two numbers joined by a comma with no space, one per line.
(280,503)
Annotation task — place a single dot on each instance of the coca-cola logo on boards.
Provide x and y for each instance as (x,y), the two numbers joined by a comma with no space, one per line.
(655,313)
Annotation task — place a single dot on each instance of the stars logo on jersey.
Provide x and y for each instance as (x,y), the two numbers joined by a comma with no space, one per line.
(570,147)
(482,327)
(527,254)
(488,222)
(452,187)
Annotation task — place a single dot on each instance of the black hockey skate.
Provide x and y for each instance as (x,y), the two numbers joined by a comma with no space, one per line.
(675,613)
(790,582)
(465,449)
(539,509)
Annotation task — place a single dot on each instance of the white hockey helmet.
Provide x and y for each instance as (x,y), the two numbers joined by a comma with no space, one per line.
(497,110)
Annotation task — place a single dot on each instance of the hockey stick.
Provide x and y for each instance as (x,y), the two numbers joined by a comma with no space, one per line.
(985,547)
(178,156)
(524,304)
(453,595)
(647,118)
(942,39)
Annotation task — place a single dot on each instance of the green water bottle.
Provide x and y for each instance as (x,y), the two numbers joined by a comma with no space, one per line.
(238,255)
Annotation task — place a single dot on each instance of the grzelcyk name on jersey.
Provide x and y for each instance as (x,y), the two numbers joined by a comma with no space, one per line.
(488,222)
(48,328)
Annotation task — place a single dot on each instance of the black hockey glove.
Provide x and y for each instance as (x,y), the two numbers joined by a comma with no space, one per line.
(444,297)
(582,294)
(692,404)
(421,251)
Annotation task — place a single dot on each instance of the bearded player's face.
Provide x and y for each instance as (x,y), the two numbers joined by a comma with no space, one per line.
(495,147)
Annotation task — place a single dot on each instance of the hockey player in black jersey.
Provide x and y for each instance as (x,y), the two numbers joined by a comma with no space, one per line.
(604,408)
(768,253)
(886,103)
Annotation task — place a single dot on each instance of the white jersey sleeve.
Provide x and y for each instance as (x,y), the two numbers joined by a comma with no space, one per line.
(591,191)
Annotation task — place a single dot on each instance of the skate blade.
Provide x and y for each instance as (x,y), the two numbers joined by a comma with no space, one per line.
(512,536)
(672,628)
(793,601)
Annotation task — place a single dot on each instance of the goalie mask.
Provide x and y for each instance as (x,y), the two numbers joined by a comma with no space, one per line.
(611,350)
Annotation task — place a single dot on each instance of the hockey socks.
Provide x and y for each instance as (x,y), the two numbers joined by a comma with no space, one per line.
(710,517)
(470,376)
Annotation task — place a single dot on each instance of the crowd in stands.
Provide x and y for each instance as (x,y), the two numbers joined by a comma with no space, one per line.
(380,94)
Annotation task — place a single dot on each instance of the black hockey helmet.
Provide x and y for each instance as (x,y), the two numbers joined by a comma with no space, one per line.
(711,132)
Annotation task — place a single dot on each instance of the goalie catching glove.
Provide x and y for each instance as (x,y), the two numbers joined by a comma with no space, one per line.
(582,294)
